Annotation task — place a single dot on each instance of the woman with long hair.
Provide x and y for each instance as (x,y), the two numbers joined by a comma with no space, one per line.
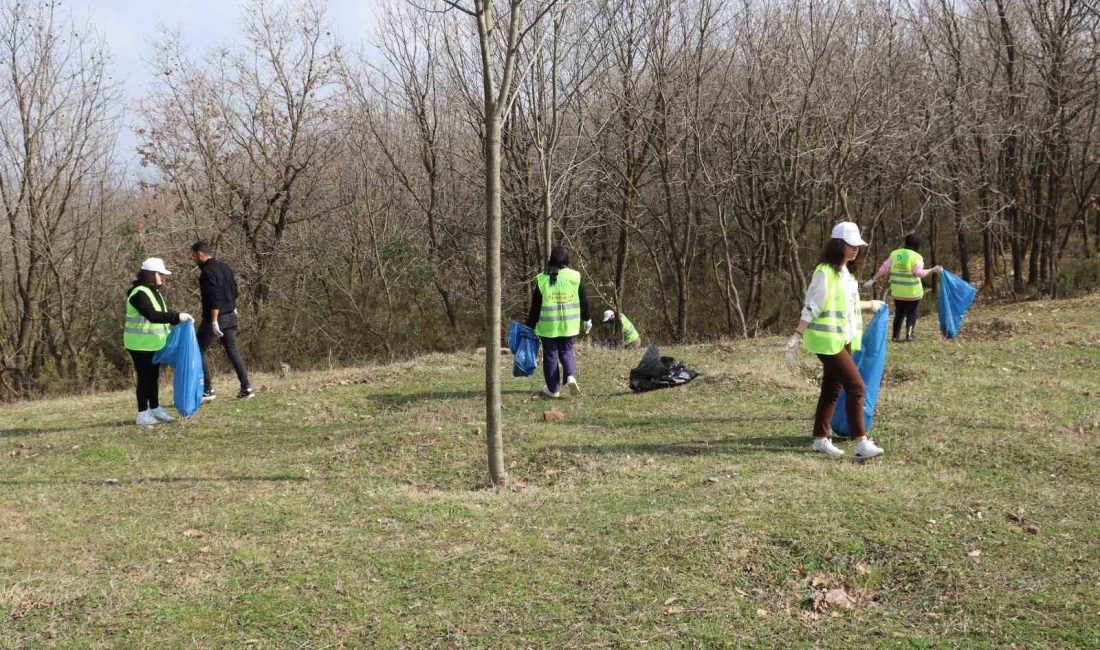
(905,266)
(559,311)
(831,327)
(148,321)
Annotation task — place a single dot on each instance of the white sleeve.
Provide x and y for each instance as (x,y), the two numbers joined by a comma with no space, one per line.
(816,295)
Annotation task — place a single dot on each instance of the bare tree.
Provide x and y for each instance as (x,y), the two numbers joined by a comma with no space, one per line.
(501,28)
(58,119)
(239,138)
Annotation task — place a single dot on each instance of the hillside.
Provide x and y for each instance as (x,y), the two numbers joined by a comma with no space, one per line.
(348,508)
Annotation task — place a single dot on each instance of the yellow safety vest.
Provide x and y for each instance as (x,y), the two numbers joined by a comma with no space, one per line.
(561,305)
(904,284)
(828,333)
(630,333)
(142,335)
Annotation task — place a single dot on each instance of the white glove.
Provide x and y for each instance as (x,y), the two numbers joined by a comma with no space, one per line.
(793,344)
(877,305)
(587,327)
(186,318)
(217,330)
(868,285)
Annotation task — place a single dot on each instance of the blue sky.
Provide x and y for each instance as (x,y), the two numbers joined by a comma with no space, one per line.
(130,25)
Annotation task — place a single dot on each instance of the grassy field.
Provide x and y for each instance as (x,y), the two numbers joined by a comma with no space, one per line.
(349,509)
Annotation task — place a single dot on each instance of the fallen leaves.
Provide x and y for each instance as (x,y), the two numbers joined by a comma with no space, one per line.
(839,597)
(830,593)
(1028,525)
(191,533)
(553,415)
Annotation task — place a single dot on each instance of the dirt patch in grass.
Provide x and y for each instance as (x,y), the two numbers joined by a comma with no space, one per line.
(994,329)
(902,374)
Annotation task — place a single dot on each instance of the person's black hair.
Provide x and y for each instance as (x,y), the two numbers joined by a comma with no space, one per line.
(559,259)
(147,278)
(200,247)
(912,241)
(833,255)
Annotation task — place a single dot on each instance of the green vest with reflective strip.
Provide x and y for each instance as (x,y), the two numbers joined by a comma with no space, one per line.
(903,283)
(561,305)
(827,333)
(141,335)
(630,333)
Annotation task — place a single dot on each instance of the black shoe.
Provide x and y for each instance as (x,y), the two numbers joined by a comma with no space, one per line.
(246,393)
(208,396)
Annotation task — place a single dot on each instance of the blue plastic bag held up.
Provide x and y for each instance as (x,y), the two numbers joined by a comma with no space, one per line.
(524,344)
(182,353)
(871,361)
(955,298)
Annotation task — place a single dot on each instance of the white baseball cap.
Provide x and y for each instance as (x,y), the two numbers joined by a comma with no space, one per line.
(609,315)
(156,265)
(849,232)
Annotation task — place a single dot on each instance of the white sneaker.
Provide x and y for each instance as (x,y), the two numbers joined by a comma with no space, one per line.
(867,448)
(826,446)
(161,415)
(574,388)
(147,419)
(546,393)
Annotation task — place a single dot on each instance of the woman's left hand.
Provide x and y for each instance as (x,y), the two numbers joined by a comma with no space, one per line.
(793,344)
(877,305)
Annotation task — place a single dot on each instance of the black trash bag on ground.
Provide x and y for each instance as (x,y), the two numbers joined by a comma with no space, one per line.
(654,372)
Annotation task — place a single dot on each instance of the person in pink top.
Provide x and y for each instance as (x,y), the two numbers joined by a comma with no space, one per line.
(906,269)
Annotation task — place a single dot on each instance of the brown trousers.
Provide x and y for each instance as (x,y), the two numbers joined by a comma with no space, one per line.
(840,372)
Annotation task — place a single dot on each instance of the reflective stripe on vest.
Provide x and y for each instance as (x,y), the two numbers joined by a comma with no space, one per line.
(630,333)
(828,333)
(904,284)
(561,305)
(142,335)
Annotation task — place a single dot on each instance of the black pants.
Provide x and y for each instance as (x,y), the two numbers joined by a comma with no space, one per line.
(148,379)
(229,324)
(905,310)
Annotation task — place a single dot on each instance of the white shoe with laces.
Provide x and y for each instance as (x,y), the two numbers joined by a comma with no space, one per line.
(147,419)
(573,386)
(826,446)
(546,393)
(867,448)
(161,415)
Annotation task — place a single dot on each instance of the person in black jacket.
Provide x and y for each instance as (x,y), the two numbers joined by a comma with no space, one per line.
(220,321)
(559,312)
(146,331)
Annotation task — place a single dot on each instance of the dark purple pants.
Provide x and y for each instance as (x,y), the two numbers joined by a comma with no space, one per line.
(554,352)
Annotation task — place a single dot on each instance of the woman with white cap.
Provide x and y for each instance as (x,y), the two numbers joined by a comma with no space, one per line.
(831,327)
(148,321)
(623,332)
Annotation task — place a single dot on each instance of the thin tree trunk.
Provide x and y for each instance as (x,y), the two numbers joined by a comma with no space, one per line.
(493,439)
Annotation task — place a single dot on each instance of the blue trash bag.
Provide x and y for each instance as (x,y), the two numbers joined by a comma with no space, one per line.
(182,353)
(955,298)
(524,344)
(871,361)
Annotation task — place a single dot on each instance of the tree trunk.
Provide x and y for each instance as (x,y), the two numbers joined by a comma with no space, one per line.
(493,440)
